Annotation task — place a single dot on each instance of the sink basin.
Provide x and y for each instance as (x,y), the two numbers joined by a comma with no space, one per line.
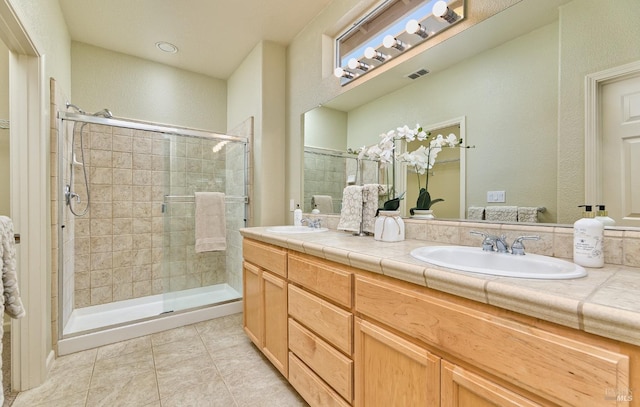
(475,260)
(295,229)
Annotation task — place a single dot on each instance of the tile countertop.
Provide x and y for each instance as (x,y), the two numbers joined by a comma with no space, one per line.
(604,303)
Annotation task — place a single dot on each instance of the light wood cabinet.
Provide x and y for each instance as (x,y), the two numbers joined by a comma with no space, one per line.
(265,301)
(347,336)
(391,371)
(461,388)
(543,365)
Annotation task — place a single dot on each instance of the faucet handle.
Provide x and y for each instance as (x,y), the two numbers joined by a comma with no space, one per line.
(489,241)
(518,247)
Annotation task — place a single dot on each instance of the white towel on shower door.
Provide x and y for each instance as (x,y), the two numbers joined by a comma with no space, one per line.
(210,229)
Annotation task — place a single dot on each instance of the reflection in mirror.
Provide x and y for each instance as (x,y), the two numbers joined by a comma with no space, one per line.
(328,172)
(442,181)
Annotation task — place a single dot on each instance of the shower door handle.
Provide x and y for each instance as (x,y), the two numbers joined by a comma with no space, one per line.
(16,237)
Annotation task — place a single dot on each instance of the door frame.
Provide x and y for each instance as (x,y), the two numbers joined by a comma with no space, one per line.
(31,350)
(593,161)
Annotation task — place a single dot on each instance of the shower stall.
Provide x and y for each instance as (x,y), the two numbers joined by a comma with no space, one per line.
(127,261)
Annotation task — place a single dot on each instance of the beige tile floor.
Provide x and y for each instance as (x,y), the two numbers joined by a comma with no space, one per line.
(211,363)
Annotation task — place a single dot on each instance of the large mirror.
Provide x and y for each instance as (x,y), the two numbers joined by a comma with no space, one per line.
(517,82)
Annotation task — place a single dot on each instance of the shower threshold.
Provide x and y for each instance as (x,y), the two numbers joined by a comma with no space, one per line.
(122,312)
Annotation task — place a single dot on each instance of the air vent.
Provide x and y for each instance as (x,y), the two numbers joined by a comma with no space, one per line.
(418,73)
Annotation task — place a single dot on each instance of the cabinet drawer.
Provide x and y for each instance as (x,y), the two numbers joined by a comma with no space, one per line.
(311,387)
(331,365)
(559,369)
(323,277)
(268,257)
(326,320)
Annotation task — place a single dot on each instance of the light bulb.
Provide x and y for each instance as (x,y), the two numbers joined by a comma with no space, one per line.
(391,42)
(371,53)
(339,72)
(442,10)
(355,64)
(414,27)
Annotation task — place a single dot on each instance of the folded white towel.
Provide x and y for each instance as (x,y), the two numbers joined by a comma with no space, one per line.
(475,213)
(324,203)
(351,212)
(370,193)
(211,230)
(528,214)
(501,213)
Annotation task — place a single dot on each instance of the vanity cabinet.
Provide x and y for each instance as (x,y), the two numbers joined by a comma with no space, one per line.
(320,330)
(344,336)
(488,356)
(391,371)
(265,301)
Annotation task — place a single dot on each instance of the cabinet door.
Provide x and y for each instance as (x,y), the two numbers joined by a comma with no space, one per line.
(275,321)
(390,371)
(461,388)
(252,303)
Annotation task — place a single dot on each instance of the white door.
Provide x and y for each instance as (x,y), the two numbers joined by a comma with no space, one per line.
(621,150)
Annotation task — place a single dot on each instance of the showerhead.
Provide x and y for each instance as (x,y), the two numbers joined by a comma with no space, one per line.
(106,113)
(76,108)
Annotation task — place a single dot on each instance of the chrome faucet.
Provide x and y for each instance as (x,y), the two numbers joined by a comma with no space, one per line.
(493,243)
(312,223)
(518,247)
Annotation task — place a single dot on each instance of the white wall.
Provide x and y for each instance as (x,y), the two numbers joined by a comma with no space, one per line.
(580,49)
(256,89)
(144,90)
(494,90)
(4,134)
(326,128)
(585,50)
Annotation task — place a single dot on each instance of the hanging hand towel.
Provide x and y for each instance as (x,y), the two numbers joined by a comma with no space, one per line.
(211,232)
(324,203)
(501,213)
(12,304)
(351,212)
(475,213)
(370,193)
(528,214)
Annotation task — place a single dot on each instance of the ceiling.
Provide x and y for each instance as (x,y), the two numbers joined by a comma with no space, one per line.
(213,36)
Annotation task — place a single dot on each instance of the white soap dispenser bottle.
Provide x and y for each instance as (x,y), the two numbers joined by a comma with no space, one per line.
(588,236)
(297,216)
(603,217)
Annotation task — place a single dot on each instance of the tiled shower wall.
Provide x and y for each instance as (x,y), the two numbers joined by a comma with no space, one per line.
(123,241)
(326,173)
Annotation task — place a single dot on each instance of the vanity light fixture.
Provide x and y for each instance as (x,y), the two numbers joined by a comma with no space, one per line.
(355,64)
(414,27)
(372,53)
(166,47)
(442,10)
(390,41)
(339,72)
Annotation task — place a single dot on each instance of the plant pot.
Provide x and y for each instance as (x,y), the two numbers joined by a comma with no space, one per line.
(423,214)
(389,227)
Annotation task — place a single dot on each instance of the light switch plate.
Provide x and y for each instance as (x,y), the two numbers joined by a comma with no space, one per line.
(496,196)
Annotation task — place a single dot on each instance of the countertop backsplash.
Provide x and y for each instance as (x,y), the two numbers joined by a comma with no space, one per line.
(621,247)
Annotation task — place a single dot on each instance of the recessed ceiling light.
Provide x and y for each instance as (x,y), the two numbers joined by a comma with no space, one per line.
(166,47)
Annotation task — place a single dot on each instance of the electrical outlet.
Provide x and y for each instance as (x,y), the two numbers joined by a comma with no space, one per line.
(292,205)
(496,196)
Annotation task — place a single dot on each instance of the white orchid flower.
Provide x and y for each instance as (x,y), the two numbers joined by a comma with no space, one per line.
(406,133)
(452,140)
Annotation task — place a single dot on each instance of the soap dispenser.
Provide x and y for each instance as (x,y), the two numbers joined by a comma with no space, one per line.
(603,217)
(297,216)
(588,235)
